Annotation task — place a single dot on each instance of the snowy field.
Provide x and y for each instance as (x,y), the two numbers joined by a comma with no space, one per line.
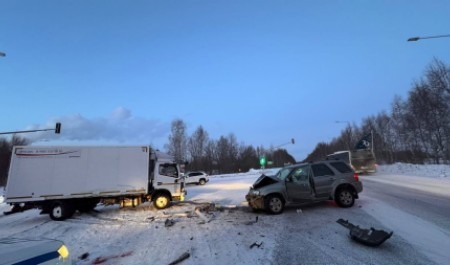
(229,233)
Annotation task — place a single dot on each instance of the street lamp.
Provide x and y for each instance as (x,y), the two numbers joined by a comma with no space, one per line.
(429,37)
(292,141)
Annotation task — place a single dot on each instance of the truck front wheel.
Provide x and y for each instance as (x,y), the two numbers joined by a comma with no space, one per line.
(61,210)
(161,201)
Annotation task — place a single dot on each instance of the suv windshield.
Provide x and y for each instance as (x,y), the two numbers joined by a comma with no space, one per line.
(283,173)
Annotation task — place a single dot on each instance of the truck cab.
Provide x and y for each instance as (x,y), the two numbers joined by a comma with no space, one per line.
(165,180)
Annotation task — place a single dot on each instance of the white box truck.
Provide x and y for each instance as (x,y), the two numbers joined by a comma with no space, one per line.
(62,179)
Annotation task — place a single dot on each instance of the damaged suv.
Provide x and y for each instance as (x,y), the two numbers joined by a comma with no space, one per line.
(305,183)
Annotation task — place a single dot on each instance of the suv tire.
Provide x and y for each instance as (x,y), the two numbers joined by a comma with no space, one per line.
(273,204)
(202,182)
(345,198)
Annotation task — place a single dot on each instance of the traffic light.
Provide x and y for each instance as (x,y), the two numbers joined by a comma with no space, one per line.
(58,128)
(262,161)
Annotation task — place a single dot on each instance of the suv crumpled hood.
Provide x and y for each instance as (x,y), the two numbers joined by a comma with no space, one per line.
(264,180)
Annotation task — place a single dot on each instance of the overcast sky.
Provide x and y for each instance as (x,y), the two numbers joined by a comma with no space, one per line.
(267,71)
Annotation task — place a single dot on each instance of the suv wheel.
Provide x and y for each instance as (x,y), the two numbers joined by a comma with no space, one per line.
(274,204)
(202,182)
(345,198)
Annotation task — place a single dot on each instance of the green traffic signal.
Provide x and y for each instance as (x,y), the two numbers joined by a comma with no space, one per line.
(262,161)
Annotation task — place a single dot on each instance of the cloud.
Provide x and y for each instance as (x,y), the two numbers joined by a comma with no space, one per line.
(120,128)
(121,113)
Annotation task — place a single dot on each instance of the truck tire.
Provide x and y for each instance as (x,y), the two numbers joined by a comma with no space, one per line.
(202,182)
(344,198)
(273,204)
(61,210)
(161,201)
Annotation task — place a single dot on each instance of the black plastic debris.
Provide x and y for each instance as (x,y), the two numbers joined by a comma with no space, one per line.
(256,244)
(181,258)
(84,256)
(252,222)
(169,222)
(370,237)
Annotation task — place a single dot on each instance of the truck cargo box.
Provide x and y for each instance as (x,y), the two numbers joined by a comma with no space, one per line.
(41,173)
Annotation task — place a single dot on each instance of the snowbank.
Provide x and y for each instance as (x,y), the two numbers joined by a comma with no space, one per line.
(429,171)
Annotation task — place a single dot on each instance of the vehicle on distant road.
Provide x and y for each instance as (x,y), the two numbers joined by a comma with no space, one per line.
(197,177)
(362,161)
(305,183)
(361,158)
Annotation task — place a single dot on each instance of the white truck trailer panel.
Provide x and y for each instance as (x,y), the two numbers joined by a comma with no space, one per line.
(39,173)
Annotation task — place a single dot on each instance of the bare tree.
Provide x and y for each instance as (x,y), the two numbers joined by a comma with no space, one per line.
(197,148)
(5,155)
(211,157)
(177,140)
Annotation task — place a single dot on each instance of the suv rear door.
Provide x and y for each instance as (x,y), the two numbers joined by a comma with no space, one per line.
(323,177)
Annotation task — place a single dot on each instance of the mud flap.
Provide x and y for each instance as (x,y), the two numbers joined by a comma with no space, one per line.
(370,237)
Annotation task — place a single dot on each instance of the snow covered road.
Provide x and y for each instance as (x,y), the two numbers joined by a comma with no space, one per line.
(301,235)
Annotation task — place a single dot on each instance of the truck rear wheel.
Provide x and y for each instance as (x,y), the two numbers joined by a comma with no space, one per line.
(161,201)
(61,210)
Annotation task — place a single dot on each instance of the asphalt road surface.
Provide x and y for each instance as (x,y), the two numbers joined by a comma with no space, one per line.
(420,222)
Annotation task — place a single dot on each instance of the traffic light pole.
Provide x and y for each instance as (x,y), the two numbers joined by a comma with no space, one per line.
(57,130)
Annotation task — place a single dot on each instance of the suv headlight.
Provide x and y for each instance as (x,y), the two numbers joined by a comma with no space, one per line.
(254,192)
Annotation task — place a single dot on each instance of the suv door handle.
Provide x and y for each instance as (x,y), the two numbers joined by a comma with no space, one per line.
(332,179)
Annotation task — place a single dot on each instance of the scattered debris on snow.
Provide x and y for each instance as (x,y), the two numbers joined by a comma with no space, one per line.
(169,223)
(256,244)
(183,256)
(370,237)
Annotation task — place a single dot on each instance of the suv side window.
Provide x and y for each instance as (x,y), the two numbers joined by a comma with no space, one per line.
(300,174)
(341,167)
(322,170)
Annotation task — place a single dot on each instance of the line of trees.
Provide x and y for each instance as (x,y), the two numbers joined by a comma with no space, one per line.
(416,129)
(224,155)
(5,155)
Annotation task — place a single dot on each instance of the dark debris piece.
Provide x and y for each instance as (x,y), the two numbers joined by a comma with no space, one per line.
(255,244)
(169,222)
(370,237)
(183,256)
